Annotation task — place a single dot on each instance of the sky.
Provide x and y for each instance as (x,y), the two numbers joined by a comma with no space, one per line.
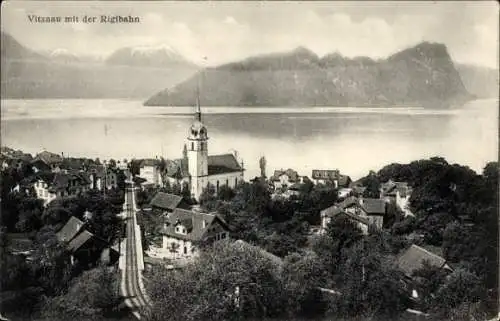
(229,31)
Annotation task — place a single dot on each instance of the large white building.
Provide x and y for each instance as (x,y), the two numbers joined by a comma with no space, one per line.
(199,169)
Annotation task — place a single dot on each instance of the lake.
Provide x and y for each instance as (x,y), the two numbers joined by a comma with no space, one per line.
(354,140)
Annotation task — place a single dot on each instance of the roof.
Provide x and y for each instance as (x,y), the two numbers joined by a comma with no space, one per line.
(293,176)
(390,188)
(273,258)
(62,181)
(150,162)
(79,240)
(166,201)
(339,207)
(325,174)
(70,229)
(413,258)
(373,205)
(296,186)
(194,221)
(344,180)
(354,217)
(224,163)
(48,157)
(75,163)
(177,168)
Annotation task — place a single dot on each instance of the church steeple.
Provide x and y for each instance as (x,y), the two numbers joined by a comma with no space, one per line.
(198,109)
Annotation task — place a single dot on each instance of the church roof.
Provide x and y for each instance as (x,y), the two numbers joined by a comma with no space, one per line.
(177,168)
(224,163)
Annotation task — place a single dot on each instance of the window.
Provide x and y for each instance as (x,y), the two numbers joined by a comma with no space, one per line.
(236,181)
(185,250)
(227,181)
(217,190)
(192,146)
(223,236)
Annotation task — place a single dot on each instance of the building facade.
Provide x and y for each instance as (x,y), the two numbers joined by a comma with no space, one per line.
(197,169)
(184,231)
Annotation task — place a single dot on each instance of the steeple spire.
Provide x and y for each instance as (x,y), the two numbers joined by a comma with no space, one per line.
(198,109)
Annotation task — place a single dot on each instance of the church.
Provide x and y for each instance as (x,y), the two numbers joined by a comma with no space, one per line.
(197,168)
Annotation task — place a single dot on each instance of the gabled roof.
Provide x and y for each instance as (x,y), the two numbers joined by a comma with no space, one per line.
(373,205)
(273,258)
(150,162)
(48,158)
(79,240)
(177,168)
(70,229)
(338,208)
(413,258)
(354,217)
(293,176)
(224,163)
(196,219)
(62,181)
(166,201)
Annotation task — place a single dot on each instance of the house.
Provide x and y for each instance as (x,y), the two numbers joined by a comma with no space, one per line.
(343,193)
(398,193)
(413,259)
(365,211)
(49,187)
(167,203)
(102,177)
(184,231)
(294,190)
(85,247)
(372,209)
(323,176)
(46,161)
(15,160)
(149,170)
(284,178)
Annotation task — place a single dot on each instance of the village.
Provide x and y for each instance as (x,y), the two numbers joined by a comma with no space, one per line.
(182,208)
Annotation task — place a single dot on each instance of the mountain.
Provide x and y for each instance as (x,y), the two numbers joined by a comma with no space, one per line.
(423,75)
(63,55)
(60,74)
(480,81)
(12,49)
(148,56)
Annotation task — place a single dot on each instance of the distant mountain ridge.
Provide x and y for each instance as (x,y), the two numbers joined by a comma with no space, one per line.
(148,56)
(422,75)
(27,74)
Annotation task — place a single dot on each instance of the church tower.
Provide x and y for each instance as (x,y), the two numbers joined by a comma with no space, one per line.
(197,154)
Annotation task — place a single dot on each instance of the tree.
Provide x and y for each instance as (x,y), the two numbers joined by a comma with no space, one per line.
(372,184)
(370,285)
(135,167)
(51,262)
(462,286)
(303,274)
(227,280)
(91,294)
(262,165)
(340,233)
